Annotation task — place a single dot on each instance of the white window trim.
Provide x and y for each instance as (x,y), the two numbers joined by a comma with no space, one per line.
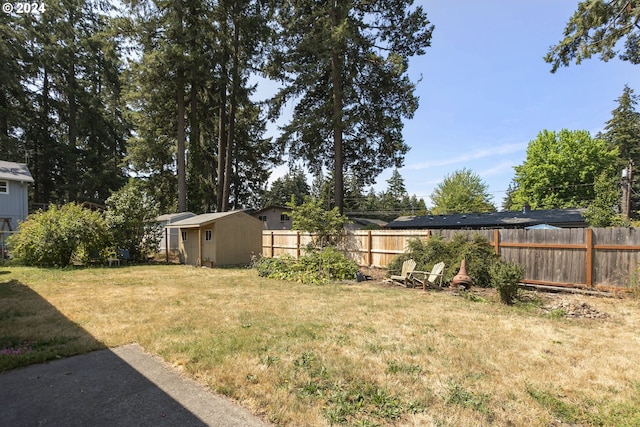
(6,186)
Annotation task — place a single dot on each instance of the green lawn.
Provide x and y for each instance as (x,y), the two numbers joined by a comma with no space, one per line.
(344,354)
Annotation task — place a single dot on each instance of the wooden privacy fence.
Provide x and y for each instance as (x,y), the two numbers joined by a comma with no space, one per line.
(598,258)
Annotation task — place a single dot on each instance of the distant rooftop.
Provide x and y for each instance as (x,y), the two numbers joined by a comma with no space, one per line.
(564,218)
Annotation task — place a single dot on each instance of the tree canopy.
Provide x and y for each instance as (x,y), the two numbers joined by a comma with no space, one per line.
(345,65)
(622,131)
(461,192)
(595,28)
(92,93)
(560,170)
(292,186)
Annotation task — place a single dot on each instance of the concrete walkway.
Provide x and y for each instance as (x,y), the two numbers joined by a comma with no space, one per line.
(118,387)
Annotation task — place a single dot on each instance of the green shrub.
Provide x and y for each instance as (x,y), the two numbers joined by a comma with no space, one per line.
(325,226)
(505,277)
(476,250)
(317,266)
(272,267)
(54,237)
(131,217)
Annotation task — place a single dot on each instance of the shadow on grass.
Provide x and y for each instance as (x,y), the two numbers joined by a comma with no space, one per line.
(123,386)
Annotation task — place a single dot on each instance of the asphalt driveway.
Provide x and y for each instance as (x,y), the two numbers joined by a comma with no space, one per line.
(114,387)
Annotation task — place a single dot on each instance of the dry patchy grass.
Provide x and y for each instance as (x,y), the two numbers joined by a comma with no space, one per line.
(350,354)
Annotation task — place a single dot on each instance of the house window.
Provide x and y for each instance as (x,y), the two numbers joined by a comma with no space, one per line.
(4,187)
(284,217)
(263,218)
(208,235)
(184,236)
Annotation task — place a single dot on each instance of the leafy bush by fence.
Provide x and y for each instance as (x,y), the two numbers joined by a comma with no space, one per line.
(577,257)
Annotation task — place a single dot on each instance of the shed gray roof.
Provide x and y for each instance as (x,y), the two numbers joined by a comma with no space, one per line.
(505,219)
(369,221)
(11,171)
(175,216)
(204,219)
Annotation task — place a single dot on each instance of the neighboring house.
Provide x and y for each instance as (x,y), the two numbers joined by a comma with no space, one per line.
(274,217)
(224,238)
(14,194)
(364,223)
(169,239)
(563,218)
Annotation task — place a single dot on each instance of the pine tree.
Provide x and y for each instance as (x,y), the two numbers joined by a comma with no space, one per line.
(70,122)
(190,89)
(291,187)
(596,27)
(13,93)
(345,64)
(623,131)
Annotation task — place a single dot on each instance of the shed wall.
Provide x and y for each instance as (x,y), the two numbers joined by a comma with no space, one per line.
(236,239)
(189,248)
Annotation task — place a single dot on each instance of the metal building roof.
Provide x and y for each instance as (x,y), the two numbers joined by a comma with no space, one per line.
(506,219)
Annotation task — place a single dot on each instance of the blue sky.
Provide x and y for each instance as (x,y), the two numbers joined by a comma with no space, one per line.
(486,91)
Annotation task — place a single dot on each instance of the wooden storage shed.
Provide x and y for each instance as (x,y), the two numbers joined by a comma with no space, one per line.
(169,240)
(224,238)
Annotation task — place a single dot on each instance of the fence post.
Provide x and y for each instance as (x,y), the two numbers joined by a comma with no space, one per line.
(589,258)
(496,241)
(297,245)
(370,248)
(272,245)
(167,244)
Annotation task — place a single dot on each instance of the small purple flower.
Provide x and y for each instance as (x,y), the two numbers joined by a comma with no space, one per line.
(16,350)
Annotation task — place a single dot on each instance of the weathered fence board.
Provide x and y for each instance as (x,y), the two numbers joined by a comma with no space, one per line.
(574,257)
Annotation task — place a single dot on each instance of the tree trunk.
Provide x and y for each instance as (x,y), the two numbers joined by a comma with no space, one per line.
(182,176)
(222,136)
(71,130)
(195,150)
(39,184)
(232,120)
(336,80)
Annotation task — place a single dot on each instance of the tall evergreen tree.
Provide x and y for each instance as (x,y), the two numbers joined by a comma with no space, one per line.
(596,27)
(13,93)
(190,90)
(623,131)
(346,65)
(69,126)
(292,185)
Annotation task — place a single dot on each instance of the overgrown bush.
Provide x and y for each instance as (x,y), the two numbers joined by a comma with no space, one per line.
(505,277)
(325,226)
(317,266)
(131,218)
(476,250)
(54,237)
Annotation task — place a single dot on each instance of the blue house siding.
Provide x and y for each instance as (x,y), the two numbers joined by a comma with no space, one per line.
(15,203)
(14,192)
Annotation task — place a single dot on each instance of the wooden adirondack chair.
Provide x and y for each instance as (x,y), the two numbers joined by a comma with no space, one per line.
(405,276)
(430,277)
